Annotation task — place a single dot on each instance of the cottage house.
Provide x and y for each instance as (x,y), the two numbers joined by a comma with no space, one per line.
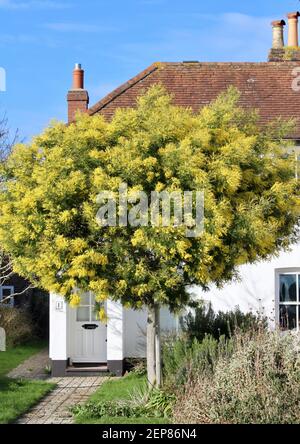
(78,342)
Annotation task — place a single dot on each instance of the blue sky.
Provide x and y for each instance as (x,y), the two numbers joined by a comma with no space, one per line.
(40,40)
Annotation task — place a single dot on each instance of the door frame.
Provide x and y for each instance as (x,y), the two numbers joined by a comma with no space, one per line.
(72,315)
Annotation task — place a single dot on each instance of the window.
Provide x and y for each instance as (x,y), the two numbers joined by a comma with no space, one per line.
(4,293)
(86,310)
(289,301)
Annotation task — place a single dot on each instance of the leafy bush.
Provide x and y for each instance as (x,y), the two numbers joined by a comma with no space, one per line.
(17,325)
(204,320)
(258,383)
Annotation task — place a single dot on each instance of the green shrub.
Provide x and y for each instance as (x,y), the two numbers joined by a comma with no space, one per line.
(205,321)
(17,325)
(259,383)
(181,356)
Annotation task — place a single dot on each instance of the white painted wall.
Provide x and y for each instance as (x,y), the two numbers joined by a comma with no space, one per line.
(135,333)
(256,290)
(115,331)
(58,340)
(135,330)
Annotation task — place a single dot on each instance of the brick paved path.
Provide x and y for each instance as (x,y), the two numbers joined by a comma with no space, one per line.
(33,368)
(54,408)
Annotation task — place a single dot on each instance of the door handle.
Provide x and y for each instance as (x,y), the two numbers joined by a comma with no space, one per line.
(90,326)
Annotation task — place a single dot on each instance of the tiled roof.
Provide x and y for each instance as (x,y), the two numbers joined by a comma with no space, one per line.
(264,86)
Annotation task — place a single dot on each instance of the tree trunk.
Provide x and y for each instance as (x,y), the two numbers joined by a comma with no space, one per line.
(158,369)
(151,374)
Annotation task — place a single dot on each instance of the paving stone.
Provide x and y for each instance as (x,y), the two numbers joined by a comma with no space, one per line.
(55,407)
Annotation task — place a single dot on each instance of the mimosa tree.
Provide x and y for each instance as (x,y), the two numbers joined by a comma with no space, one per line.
(50,199)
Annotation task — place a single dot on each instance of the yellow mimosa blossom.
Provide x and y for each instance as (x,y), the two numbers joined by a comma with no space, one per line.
(49,200)
(102,315)
(75,300)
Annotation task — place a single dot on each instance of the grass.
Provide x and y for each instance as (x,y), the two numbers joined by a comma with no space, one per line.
(115,390)
(17,396)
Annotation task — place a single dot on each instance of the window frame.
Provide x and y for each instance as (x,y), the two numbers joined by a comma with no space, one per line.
(278,303)
(12,291)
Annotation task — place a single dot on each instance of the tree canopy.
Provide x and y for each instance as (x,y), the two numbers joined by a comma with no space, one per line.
(48,203)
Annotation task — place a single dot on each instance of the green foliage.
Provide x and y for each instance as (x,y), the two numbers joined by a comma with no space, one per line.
(48,200)
(107,408)
(126,400)
(258,383)
(203,320)
(181,357)
(159,404)
(17,325)
(139,367)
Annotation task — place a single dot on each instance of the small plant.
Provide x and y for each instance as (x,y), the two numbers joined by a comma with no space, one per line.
(290,52)
(160,403)
(140,369)
(154,402)
(137,366)
(140,395)
(47,369)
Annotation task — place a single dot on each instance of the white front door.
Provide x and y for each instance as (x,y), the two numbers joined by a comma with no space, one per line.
(88,335)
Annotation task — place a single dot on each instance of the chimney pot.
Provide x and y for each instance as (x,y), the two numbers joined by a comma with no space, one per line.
(78,98)
(278,40)
(293,39)
(293,14)
(78,77)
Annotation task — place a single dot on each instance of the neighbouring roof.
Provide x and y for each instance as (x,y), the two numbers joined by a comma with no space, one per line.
(263,86)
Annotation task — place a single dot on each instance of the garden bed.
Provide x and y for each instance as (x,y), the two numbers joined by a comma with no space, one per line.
(116,390)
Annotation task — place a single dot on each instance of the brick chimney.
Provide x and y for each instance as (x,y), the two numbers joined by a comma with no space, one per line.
(291,52)
(78,97)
